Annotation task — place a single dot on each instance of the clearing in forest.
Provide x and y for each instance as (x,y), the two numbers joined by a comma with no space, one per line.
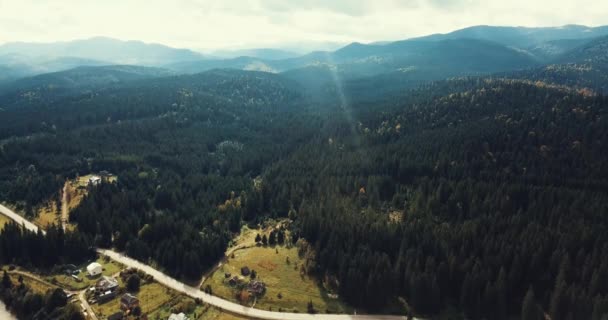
(279,268)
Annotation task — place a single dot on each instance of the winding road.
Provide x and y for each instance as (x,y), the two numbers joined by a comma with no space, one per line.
(220,303)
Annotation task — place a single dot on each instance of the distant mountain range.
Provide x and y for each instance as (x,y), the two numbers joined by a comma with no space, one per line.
(104,49)
(20,59)
(471,51)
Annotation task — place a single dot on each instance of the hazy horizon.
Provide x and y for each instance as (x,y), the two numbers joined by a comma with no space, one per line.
(210,25)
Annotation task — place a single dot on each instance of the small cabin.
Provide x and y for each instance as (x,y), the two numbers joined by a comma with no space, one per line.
(94,269)
(94,180)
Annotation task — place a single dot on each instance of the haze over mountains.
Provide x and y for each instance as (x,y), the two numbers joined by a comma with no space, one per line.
(476,50)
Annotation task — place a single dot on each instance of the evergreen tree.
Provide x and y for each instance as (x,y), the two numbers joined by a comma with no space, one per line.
(530,309)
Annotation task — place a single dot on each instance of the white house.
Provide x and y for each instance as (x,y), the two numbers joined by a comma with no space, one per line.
(94,180)
(180,316)
(94,269)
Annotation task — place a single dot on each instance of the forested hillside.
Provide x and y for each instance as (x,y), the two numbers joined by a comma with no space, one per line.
(181,146)
(471,199)
(470,194)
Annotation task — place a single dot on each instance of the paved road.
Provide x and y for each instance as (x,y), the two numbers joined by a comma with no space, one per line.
(220,303)
(230,306)
(19,219)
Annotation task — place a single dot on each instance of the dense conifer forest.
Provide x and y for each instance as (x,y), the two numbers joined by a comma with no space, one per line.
(483,194)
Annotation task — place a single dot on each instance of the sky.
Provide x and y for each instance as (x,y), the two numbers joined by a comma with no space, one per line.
(208,25)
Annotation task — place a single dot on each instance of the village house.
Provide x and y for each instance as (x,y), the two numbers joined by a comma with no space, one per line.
(94,180)
(180,316)
(256,287)
(106,284)
(104,297)
(105,174)
(71,269)
(128,302)
(94,269)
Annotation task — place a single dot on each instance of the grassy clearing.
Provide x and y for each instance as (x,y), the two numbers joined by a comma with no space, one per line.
(35,284)
(76,189)
(47,215)
(280,277)
(110,268)
(152,297)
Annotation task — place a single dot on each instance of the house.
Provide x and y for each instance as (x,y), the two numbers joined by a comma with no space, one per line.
(94,180)
(256,287)
(128,302)
(245,271)
(70,269)
(180,316)
(106,296)
(116,316)
(94,269)
(105,174)
(106,284)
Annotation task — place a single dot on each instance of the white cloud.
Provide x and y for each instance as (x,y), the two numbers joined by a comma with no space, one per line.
(212,24)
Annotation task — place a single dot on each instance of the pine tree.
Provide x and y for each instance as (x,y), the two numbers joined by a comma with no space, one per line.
(6,281)
(530,309)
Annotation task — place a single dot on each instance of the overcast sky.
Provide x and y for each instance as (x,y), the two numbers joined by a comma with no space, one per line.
(213,24)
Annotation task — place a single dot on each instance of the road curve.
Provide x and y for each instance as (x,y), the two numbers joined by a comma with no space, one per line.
(220,303)
(232,307)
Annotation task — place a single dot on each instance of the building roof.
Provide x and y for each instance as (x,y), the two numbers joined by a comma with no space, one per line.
(106,283)
(256,286)
(93,266)
(180,316)
(128,298)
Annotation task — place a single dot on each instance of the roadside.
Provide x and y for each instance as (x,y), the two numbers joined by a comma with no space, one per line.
(85,304)
(19,219)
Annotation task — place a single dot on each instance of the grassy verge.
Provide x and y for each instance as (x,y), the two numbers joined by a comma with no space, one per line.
(4,220)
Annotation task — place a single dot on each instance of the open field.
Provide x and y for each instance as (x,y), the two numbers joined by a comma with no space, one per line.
(47,215)
(279,276)
(110,268)
(36,285)
(152,296)
(77,188)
